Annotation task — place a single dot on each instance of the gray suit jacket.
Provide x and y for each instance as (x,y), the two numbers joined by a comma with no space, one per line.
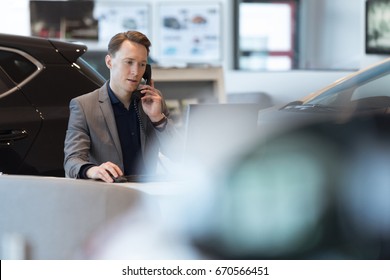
(92,136)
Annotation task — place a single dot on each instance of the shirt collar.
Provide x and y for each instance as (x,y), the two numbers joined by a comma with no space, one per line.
(113,98)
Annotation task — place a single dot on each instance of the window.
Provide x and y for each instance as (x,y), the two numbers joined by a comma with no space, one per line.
(265,35)
(16,69)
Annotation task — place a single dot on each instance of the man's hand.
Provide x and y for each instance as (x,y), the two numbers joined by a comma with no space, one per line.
(104,172)
(152,102)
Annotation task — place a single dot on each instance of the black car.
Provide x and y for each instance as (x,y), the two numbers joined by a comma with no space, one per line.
(38,78)
(96,58)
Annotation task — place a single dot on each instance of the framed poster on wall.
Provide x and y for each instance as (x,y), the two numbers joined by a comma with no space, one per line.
(189,32)
(377,27)
(115,17)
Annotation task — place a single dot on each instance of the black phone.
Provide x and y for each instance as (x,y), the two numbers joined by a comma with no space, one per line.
(136,96)
(147,78)
(148,75)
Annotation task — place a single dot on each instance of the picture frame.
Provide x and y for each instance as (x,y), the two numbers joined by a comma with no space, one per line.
(119,16)
(189,32)
(377,27)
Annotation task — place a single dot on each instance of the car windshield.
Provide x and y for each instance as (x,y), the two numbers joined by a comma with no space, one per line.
(89,71)
(366,89)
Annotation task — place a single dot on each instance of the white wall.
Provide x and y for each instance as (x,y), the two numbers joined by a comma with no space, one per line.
(332,36)
(15,17)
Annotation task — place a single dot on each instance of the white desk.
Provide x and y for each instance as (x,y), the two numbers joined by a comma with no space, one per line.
(158,188)
(51,218)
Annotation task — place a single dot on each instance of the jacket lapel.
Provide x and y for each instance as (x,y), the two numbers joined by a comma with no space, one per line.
(108,114)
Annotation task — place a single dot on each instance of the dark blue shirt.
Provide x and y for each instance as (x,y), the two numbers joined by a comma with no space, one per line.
(128,126)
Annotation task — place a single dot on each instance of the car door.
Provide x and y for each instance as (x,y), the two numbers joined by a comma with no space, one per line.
(20,121)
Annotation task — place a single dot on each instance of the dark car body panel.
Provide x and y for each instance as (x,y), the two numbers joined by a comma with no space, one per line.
(45,50)
(34,112)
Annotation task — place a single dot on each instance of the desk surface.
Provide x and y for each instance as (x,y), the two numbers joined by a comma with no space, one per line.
(153,188)
(158,188)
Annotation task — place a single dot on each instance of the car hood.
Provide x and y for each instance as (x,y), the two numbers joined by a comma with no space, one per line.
(274,119)
(352,80)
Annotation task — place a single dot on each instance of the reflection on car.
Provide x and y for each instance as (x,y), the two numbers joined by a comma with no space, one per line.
(38,78)
(363,92)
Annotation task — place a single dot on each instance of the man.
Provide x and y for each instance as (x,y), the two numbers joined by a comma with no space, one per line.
(111,132)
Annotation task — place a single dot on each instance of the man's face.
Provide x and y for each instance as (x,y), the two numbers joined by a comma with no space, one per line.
(127,67)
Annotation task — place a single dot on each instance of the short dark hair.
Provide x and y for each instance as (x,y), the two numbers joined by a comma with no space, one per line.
(132,36)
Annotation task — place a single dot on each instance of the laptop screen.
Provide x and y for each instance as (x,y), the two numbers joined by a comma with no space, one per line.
(213,131)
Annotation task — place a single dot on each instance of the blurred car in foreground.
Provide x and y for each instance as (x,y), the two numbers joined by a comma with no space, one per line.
(315,191)
(314,184)
(38,77)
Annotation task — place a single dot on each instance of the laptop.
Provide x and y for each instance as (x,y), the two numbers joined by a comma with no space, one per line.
(213,131)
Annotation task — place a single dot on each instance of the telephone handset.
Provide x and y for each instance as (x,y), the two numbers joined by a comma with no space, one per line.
(136,96)
(148,75)
(147,78)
